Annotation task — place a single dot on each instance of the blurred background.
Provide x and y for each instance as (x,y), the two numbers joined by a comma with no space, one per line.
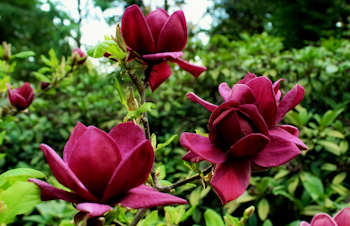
(302,41)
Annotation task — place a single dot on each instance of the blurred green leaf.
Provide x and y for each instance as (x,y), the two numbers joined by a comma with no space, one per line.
(23,54)
(143,108)
(162,145)
(313,185)
(120,92)
(263,209)
(331,68)
(41,77)
(2,136)
(339,178)
(8,178)
(330,147)
(212,218)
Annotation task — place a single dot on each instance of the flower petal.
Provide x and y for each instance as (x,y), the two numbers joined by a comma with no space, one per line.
(322,219)
(248,146)
(342,218)
(290,129)
(276,85)
(209,106)
(192,157)
(264,95)
(252,112)
(304,223)
(146,197)
(94,159)
(173,36)
(193,69)
(78,130)
(159,74)
(131,172)
(127,136)
(239,92)
(289,101)
(247,78)
(156,21)
(64,174)
(231,179)
(162,56)
(202,147)
(49,192)
(284,132)
(94,209)
(136,32)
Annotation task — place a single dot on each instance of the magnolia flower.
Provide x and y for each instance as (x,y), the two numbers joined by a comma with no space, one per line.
(157,38)
(243,136)
(342,218)
(104,170)
(21,97)
(81,55)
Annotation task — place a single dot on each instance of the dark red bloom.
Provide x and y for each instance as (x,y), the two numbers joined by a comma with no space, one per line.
(243,136)
(21,97)
(104,169)
(44,85)
(81,54)
(157,38)
(342,218)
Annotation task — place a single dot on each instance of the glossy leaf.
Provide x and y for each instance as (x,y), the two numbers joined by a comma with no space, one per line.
(212,218)
(10,177)
(263,209)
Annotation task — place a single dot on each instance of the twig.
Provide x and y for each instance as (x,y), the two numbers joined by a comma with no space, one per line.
(139,216)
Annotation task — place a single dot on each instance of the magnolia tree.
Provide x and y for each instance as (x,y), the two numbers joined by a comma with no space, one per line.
(101,170)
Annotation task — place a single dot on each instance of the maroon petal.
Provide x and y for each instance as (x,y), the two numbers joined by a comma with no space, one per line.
(209,106)
(290,129)
(240,93)
(18,101)
(49,192)
(283,132)
(247,78)
(342,218)
(132,171)
(225,91)
(78,130)
(193,69)
(248,146)
(136,32)
(156,21)
(173,36)
(146,197)
(127,136)
(264,95)
(252,112)
(192,157)
(162,56)
(231,179)
(64,174)
(289,101)
(322,219)
(202,147)
(25,90)
(94,159)
(276,85)
(160,73)
(94,209)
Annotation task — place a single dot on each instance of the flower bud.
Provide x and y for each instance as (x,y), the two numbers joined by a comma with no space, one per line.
(44,85)
(78,56)
(131,101)
(21,97)
(7,50)
(120,40)
(5,111)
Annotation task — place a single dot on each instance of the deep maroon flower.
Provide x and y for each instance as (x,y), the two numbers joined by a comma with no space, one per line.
(242,138)
(157,38)
(21,97)
(44,85)
(104,169)
(81,54)
(342,218)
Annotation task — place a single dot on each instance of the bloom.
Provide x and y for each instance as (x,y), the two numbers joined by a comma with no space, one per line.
(104,169)
(157,38)
(21,97)
(82,56)
(243,133)
(342,218)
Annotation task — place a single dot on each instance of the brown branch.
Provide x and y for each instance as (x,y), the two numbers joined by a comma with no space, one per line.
(139,216)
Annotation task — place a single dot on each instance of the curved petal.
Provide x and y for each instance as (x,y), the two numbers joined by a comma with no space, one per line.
(342,218)
(94,159)
(284,133)
(25,90)
(193,69)
(131,172)
(18,101)
(304,223)
(252,112)
(265,97)
(64,174)
(173,36)
(225,91)
(202,147)
(322,219)
(247,78)
(289,101)
(156,21)
(290,129)
(94,209)
(239,92)
(162,56)
(160,73)
(276,85)
(78,130)
(49,192)
(146,197)
(127,136)
(209,106)
(231,179)
(192,157)
(248,146)
(136,32)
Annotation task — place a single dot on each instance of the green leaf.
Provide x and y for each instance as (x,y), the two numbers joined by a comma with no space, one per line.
(66,223)
(330,147)
(344,146)
(200,133)
(339,178)
(192,166)
(154,141)
(10,177)
(162,145)
(45,60)
(2,136)
(232,221)
(53,58)
(281,173)
(340,189)
(293,184)
(330,116)
(41,77)
(108,46)
(267,223)
(212,218)
(143,108)
(23,54)
(111,215)
(151,219)
(263,209)
(331,68)
(311,210)
(188,213)
(329,167)
(120,92)
(43,70)
(20,198)
(165,182)
(195,197)
(2,155)
(334,133)
(313,185)
(3,82)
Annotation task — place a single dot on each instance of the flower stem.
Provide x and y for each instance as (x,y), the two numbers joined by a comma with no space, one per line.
(139,216)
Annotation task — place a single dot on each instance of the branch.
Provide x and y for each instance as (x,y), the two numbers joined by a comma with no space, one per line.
(139,216)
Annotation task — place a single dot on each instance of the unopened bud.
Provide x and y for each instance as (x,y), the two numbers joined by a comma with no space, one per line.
(249,212)
(7,50)
(130,99)
(120,40)
(5,110)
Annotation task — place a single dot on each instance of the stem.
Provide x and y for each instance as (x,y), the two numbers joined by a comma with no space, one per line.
(139,216)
